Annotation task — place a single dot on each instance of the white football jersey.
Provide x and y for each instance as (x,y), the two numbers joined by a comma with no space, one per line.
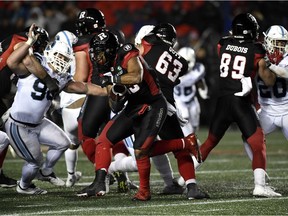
(186,90)
(33,98)
(274,100)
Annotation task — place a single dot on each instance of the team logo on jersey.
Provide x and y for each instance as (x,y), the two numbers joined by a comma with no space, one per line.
(127,47)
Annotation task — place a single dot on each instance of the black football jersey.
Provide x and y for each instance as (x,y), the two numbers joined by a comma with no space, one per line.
(237,59)
(146,91)
(167,63)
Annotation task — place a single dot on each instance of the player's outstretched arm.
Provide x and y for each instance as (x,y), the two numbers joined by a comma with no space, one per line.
(85,88)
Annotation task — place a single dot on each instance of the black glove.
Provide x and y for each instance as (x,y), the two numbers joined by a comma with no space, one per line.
(117,97)
(105,81)
(51,85)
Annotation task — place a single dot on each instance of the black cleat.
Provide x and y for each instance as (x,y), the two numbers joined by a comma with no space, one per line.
(97,188)
(122,182)
(193,192)
(6,182)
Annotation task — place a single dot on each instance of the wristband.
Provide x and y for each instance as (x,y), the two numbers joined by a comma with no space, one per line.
(30,42)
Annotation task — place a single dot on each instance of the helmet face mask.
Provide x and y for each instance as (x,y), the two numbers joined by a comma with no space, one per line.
(189,54)
(275,43)
(245,26)
(166,32)
(59,55)
(103,49)
(89,21)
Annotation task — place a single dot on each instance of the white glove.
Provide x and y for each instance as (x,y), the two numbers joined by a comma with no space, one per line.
(32,37)
(246,87)
(181,120)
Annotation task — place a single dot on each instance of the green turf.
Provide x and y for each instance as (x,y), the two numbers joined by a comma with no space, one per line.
(226,175)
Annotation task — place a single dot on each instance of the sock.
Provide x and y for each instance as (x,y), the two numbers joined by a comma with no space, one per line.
(162,164)
(257,144)
(144,167)
(161,147)
(71,157)
(88,147)
(208,145)
(259,177)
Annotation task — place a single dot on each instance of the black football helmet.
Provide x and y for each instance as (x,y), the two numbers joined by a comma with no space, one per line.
(42,41)
(166,32)
(245,26)
(89,21)
(103,49)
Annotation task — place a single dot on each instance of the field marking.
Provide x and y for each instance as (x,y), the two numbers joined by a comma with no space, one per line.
(85,209)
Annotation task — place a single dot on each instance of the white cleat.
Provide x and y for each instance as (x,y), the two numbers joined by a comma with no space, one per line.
(31,190)
(52,178)
(265,191)
(72,179)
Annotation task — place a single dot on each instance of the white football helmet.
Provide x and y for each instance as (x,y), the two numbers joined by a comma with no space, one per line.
(275,42)
(67,37)
(60,55)
(145,30)
(189,54)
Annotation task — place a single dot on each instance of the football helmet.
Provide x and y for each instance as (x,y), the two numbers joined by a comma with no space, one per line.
(103,49)
(89,21)
(275,41)
(245,26)
(42,40)
(67,37)
(189,54)
(60,55)
(166,32)
(144,30)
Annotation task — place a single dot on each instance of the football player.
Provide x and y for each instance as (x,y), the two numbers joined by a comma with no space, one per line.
(273,101)
(157,50)
(241,58)
(143,115)
(26,126)
(95,112)
(8,81)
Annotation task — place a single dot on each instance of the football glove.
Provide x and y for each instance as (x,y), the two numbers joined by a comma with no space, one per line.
(117,97)
(246,87)
(51,85)
(105,81)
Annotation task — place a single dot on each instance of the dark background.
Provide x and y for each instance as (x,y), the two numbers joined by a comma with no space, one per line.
(199,24)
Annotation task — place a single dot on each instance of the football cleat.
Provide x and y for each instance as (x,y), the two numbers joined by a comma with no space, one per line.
(175,188)
(6,182)
(265,191)
(192,145)
(52,178)
(32,189)
(72,179)
(193,192)
(95,189)
(122,182)
(142,195)
(132,185)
